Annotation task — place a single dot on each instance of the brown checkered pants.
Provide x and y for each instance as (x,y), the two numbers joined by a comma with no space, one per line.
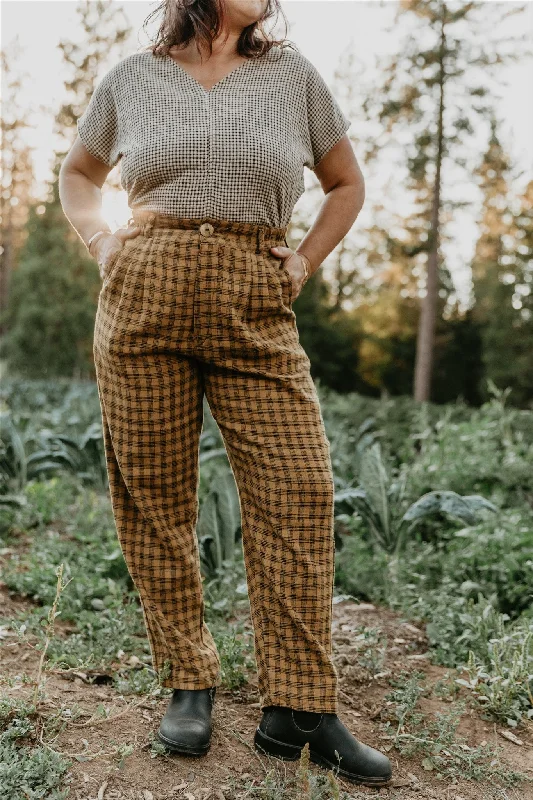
(192,307)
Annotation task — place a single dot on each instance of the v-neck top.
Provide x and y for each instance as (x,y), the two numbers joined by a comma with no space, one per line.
(236,151)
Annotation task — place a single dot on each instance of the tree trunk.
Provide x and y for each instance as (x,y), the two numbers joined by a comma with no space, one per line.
(426,325)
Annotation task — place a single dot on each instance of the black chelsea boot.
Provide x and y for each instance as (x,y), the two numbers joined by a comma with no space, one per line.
(283,732)
(186,727)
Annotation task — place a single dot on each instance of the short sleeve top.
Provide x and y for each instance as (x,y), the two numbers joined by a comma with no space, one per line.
(236,151)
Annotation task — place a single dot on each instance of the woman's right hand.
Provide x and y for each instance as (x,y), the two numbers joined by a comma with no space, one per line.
(111,243)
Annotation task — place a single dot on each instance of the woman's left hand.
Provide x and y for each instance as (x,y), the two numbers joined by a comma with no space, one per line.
(295,266)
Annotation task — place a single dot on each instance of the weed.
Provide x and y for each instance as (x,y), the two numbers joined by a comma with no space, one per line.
(27,768)
(304,784)
(446,688)
(236,656)
(435,738)
(374,652)
(502,680)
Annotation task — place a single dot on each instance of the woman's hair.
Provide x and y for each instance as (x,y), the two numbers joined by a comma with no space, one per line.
(202,20)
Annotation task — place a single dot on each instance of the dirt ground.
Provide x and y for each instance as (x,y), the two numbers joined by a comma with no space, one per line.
(113,758)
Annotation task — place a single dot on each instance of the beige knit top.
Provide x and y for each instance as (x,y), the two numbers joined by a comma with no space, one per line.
(236,151)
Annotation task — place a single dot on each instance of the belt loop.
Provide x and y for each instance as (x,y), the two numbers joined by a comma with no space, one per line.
(260,239)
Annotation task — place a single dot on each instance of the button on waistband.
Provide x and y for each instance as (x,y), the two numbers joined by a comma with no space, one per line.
(206,229)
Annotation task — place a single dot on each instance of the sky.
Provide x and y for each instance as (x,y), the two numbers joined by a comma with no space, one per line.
(323,30)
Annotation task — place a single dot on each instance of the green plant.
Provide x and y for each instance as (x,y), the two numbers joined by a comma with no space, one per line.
(373,649)
(27,769)
(219,523)
(434,580)
(502,680)
(303,785)
(43,453)
(381,500)
(435,737)
(13,463)
(494,557)
(226,592)
(236,656)
(490,451)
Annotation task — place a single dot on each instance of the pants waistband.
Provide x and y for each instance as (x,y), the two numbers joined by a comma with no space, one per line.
(258,234)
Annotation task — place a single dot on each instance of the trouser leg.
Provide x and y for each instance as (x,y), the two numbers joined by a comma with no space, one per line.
(152,417)
(259,387)
(280,458)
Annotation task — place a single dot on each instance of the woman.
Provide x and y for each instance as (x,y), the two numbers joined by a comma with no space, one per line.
(214,126)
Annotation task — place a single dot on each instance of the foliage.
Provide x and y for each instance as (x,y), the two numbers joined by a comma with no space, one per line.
(492,558)
(490,453)
(219,523)
(47,429)
(27,771)
(74,526)
(469,580)
(436,738)
(380,501)
(53,296)
(461,594)
(236,656)
(304,784)
(40,440)
(45,453)
(502,678)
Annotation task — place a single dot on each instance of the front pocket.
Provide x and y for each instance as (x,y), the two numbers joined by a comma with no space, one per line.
(284,271)
(127,248)
(110,269)
(283,278)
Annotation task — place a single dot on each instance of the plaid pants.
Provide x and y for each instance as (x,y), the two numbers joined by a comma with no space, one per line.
(194,307)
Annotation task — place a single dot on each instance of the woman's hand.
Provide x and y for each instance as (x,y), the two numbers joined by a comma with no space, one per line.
(297,269)
(108,245)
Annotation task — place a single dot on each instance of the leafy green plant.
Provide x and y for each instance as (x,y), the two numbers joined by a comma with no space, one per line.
(380,500)
(348,443)
(13,462)
(219,523)
(435,737)
(488,452)
(226,591)
(32,454)
(236,656)
(27,769)
(491,558)
(502,680)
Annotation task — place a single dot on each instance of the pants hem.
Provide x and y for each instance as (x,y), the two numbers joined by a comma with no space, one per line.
(179,683)
(320,706)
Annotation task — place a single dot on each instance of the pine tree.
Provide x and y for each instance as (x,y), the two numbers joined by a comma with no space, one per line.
(54,291)
(431,98)
(502,271)
(503,287)
(493,176)
(17,178)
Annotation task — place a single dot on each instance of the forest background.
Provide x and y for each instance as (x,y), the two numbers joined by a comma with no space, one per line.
(429,294)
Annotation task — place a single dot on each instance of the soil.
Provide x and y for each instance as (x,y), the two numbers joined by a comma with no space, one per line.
(113,759)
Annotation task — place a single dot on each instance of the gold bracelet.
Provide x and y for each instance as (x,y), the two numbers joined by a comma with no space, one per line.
(307,264)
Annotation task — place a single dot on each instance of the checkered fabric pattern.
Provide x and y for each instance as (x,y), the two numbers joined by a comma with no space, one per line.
(194,307)
(183,150)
